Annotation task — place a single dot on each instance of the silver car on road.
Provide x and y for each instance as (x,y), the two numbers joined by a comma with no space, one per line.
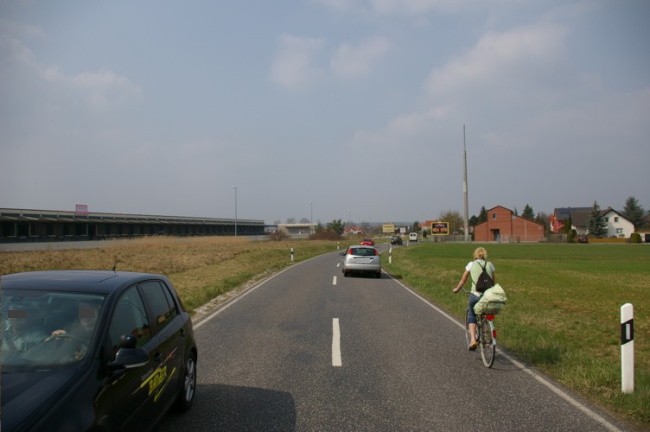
(362,259)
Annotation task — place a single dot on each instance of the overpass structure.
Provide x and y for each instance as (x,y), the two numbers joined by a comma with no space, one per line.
(25,225)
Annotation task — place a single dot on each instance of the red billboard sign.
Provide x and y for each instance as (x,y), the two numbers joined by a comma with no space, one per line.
(440,228)
(81,209)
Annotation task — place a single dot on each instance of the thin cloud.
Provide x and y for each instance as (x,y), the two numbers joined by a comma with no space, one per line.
(406,7)
(406,129)
(294,64)
(517,57)
(350,61)
(98,88)
(21,30)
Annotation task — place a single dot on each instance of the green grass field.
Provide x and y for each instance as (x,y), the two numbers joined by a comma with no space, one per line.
(563,310)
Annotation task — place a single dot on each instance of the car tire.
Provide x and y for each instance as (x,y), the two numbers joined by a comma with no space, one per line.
(188,388)
(345,273)
(379,274)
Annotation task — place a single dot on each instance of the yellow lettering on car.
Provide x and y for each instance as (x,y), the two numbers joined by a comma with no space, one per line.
(157,381)
(154,380)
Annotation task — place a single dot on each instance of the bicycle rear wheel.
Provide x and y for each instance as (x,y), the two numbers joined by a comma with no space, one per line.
(488,347)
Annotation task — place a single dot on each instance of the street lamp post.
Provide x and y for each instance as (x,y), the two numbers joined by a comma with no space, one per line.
(311,216)
(235,188)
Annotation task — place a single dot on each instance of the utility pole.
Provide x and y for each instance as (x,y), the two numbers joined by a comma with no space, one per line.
(466,219)
(235,188)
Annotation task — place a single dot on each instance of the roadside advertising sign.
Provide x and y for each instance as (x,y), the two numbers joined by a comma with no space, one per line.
(440,228)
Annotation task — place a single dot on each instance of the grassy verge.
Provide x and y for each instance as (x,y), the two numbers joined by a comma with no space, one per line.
(200,268)
(563,310)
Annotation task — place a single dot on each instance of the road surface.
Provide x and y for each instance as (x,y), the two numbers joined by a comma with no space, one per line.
(310,350)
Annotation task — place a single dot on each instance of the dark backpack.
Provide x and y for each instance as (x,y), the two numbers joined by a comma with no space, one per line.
(484,280)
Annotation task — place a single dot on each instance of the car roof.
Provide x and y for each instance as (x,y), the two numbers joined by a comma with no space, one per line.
(91,281)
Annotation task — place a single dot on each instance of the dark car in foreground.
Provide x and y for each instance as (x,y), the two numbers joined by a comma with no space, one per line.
(93,350)
(361,259)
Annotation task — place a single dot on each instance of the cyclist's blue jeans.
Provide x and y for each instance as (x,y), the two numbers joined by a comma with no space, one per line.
(473,299)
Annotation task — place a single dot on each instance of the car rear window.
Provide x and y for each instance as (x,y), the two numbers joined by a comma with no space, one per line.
(362,251)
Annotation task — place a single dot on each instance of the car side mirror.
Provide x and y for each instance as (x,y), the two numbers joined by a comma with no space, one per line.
(128,341)
(127,358)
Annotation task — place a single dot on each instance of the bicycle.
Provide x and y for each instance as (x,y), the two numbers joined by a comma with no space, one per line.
(486,337)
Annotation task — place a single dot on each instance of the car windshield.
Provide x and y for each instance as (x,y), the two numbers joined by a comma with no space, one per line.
(47,329)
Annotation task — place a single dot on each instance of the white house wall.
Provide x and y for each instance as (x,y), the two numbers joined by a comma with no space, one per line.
(618,226)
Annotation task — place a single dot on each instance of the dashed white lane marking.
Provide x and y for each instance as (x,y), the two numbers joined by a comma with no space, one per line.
(336,343)
(334,280)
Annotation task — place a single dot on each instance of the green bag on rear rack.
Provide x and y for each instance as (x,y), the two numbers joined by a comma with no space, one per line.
(491,302)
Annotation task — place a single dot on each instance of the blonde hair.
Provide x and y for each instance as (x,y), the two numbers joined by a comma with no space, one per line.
(480,253)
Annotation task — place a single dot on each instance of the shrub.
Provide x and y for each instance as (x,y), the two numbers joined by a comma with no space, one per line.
(635,238)
(571,235)
(278,236)
(325,235)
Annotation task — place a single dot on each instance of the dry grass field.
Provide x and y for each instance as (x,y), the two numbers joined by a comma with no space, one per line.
(201,268)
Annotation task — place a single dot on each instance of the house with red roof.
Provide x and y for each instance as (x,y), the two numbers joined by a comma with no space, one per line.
(503,225)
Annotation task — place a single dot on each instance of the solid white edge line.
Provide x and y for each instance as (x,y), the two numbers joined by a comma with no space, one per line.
(336,343)
(588,412)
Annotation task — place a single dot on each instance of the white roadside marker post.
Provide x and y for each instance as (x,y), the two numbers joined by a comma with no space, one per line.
(627,348)
(390,255)
(291,254)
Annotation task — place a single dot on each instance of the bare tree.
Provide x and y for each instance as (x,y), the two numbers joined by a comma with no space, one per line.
(455,219)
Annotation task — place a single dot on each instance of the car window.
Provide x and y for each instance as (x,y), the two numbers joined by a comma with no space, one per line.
(129,319)
(362,251)
(160,301)
(44,328)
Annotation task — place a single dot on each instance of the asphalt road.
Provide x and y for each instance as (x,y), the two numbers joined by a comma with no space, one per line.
(269,362)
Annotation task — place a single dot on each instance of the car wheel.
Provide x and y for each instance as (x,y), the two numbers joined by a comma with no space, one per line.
(345,273)
(379,274)
(188,389)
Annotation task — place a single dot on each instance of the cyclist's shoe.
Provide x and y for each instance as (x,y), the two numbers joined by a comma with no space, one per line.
(473,346)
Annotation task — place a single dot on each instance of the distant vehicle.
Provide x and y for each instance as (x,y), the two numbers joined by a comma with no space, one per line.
(361,259)
(396,240)
(582,238)
(368,242)
(93,350)
(413,237)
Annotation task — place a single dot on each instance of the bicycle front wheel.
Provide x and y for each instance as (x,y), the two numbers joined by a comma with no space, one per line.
(488,346)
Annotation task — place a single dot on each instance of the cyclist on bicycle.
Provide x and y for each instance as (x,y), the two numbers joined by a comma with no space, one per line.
(474,269)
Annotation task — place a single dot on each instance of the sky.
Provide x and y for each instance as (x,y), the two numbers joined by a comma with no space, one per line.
(323,109)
